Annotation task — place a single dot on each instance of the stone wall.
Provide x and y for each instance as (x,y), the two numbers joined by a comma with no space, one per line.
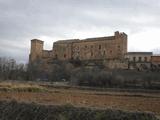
(47,54)
(62,50)
(36,50)
(100,48)
(112,47)
(155,59)
(116,64)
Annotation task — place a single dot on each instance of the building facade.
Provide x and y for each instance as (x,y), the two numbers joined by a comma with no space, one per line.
(155,59)
(139,56)
(139,60)
(100,48)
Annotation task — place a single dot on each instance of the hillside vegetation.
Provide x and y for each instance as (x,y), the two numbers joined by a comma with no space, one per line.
(22,111)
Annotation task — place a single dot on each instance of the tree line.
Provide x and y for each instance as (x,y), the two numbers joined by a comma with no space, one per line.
(11,70)
(78,75)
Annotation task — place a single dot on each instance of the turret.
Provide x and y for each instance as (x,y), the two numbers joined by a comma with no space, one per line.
(36,50)
(121,44)
(116,34)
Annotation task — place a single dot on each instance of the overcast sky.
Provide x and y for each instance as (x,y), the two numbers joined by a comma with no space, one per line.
(51,20)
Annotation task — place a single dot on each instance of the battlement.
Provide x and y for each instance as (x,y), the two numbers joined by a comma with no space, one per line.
(37,41)
(117,34)
(66,41)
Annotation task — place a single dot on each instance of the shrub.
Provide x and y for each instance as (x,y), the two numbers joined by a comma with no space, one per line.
(22,111)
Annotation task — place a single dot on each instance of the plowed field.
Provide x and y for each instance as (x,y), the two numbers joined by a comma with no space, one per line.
(148,102)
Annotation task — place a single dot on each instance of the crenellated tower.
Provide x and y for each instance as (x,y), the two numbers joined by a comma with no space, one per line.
(36,50)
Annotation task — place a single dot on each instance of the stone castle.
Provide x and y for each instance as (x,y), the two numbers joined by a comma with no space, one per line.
(99,48)
(110,52)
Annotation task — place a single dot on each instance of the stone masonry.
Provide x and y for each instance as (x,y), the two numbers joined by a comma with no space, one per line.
(100,48)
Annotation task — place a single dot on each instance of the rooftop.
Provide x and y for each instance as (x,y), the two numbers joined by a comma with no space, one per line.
(86,40)
(67,41)
(137,53)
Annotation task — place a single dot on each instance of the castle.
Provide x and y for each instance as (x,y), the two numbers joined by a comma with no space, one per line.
(110,52)
(100,48)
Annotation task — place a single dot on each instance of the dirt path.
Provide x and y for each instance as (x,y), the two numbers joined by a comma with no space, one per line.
(148,102)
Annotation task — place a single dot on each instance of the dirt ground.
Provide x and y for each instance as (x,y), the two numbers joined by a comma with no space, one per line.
(148,102)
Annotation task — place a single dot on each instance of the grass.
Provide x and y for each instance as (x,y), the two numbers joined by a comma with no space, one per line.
(21,87)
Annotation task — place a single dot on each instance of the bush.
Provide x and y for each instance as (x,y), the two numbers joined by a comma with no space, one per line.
(91,77)
(114,78)
(22,111)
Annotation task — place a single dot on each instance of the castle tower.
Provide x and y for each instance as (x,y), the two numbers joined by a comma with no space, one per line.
(121,44)
(36,50)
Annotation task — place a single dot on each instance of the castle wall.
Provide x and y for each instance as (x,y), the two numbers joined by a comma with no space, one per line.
(121,45)
(116,64)
(62,51)
(47,54)
(100,48)
(113,47)
(86,50)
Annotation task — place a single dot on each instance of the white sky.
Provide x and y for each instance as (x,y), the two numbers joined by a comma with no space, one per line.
(51,20)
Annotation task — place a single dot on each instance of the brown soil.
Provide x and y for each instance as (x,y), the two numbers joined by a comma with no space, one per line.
(147,102)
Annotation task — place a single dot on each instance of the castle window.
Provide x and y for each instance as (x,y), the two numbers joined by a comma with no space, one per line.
(140,58)
(91,46)
(91,53)
(64,55)
(145,59)
(110,51)
(99,46)
(134,59)
(118,47)
(56,56)
(104,52)
(85,46)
